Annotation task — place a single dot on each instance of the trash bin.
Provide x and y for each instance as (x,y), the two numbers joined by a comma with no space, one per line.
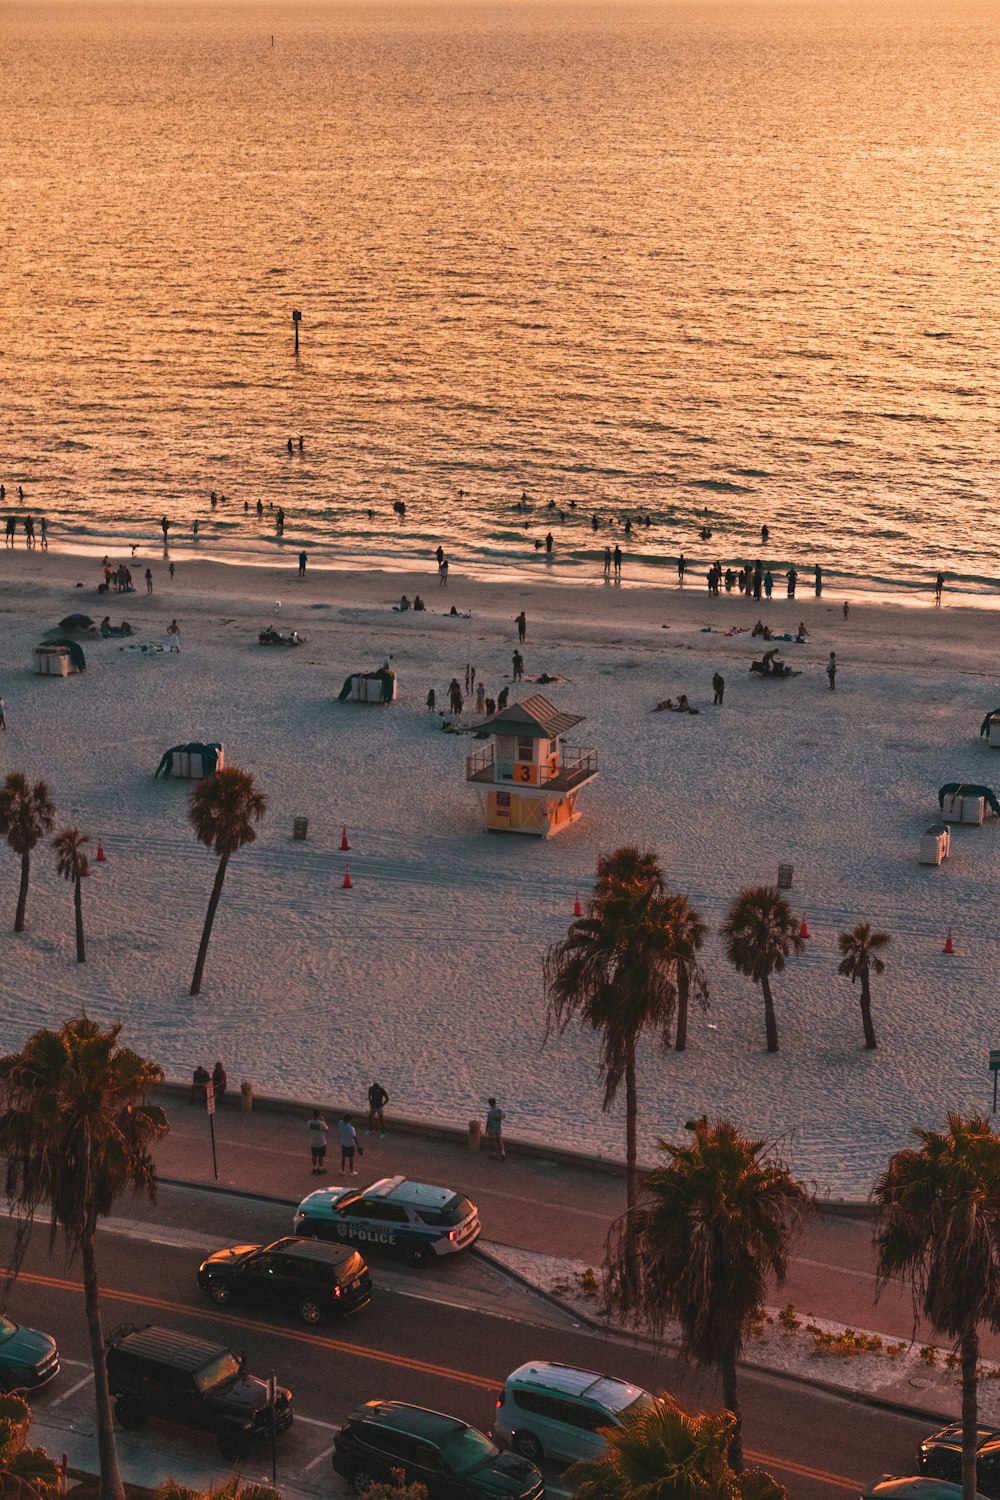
(246,1096)
(785,877)
(300,827)
(475,1134)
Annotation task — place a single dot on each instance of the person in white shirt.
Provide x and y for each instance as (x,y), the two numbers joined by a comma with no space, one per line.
(348,1146)
(318,1131)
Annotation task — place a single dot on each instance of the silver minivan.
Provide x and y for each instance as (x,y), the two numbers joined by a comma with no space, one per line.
(547,1410)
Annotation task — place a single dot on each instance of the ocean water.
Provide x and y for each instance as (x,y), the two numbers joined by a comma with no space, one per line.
(709,263)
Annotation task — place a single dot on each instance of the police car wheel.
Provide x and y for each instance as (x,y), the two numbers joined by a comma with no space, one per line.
(310,1311)
(419,1256)
(526,1445)
(361,1481)
(219,1292)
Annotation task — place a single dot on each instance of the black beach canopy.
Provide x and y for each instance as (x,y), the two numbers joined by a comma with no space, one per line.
(209,757)
(968,789)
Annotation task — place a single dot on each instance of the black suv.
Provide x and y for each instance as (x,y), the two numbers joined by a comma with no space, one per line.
(309,1277)
(155,1372)
(453,1460)
(940,1457)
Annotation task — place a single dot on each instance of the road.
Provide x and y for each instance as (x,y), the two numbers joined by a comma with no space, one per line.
(443,1338)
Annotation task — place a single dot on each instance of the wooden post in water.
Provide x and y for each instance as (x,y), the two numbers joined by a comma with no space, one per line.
(296,320)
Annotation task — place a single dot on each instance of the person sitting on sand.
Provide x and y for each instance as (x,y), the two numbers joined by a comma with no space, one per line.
(418,603)
(404,604)
(758,629)
(802,633)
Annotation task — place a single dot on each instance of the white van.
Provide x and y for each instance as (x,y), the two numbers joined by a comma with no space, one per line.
(549,1410)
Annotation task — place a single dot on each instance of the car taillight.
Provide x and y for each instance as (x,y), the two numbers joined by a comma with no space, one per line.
(453,1235)
(499,1400)
(336,1291)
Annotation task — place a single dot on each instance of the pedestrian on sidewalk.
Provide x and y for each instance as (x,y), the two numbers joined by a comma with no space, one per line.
(377,1101)
(494,1131)
(318,1131)
(831,671)
(219,1082)
(348,1145)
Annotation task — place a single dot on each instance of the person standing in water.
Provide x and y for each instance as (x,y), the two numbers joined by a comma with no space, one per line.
(819,580)
(938,588)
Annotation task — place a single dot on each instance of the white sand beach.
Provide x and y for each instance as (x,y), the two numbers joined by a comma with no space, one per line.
(428,972)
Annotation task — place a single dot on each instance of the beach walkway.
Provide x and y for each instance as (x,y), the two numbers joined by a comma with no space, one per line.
(545,1204)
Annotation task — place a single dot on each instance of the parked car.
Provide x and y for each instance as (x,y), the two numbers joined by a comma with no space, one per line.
(548,1410)
(411,1219)
(28,1358)
(157,1372)
(305,1276)
(453,1460)
(940,1457)
(889,1488)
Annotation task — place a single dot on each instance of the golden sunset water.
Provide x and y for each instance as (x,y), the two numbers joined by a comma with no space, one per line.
(639,260)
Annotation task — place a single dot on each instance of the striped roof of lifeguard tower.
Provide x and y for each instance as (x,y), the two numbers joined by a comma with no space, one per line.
(534,718)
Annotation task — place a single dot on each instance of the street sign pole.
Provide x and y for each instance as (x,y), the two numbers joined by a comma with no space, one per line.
(210,1106)
(995,1070)
(273,1393)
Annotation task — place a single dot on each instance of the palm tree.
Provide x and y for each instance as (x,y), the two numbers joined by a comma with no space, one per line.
(938,1227)
(688,933)
(26,812)
(667,1453)
(25,1473)
(230,1489)
(76,1133)
(224,808)
(71,862)
(614,970)
(717,1220)
(861,948)
(759,933)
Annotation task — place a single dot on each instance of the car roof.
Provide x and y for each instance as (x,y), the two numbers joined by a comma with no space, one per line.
(415,1421)
(391,1189)
(913,1489)
(604,1390)
(181,1350)
(326,1251)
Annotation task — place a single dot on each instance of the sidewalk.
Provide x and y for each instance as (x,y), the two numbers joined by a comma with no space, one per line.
(554,1205)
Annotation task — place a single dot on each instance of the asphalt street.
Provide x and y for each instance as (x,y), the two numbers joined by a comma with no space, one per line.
(443,1338)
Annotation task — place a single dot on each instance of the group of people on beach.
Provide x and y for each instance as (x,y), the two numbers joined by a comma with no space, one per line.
(28,522)
(318,1130)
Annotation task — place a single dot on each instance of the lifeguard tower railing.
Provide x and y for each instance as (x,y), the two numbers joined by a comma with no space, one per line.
(577,764)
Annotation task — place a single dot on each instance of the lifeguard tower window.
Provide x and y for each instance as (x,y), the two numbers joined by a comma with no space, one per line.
(525,749)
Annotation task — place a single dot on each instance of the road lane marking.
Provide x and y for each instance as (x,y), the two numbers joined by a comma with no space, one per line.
(318,1459)
(378,1356)
(315,1422)
(803,1471)
(823,1265)
(73,1389)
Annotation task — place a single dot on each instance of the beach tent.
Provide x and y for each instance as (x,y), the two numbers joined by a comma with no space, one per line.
(369,687)
(74,650)
(989,729)
(81,623)
(191,762)
(958,791)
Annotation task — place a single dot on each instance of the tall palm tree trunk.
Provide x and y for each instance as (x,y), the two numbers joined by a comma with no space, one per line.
(22,895)
(866,1011)
(970,1367)
(81,952)
(213,903)
(731,1400)
(107,1450)
(683,993)
(631,1111)
(770,1024)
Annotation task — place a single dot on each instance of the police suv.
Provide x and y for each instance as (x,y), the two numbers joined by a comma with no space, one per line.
(409,1218)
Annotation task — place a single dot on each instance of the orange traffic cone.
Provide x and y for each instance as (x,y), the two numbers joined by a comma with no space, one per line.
(348,882)
(949,946)
(577,908)
(101,856)
(343,839)
(804,929)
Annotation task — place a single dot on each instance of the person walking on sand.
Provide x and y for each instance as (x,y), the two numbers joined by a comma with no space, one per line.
(348,1145)
(318,1132)
(517,663)
(43,527)
(617,559)
(521,622)
(681,568)
(793,579)
(847,608)
(431,701)
(480,700)
(149,580)
(831,671)
(455,696)
(173,636)
(303,559)
(377,1101)
(443,573)
(607,564)
(494,1131)
(718,688)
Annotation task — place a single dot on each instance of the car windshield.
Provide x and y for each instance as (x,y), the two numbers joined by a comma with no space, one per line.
(468,1450)
(348,1205)
(223,1369)
(7,1329)
(637,1408)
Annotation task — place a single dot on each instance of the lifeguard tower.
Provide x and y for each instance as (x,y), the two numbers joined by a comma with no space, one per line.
(529,776)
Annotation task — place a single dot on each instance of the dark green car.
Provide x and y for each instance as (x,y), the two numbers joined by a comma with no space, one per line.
(28,1358)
